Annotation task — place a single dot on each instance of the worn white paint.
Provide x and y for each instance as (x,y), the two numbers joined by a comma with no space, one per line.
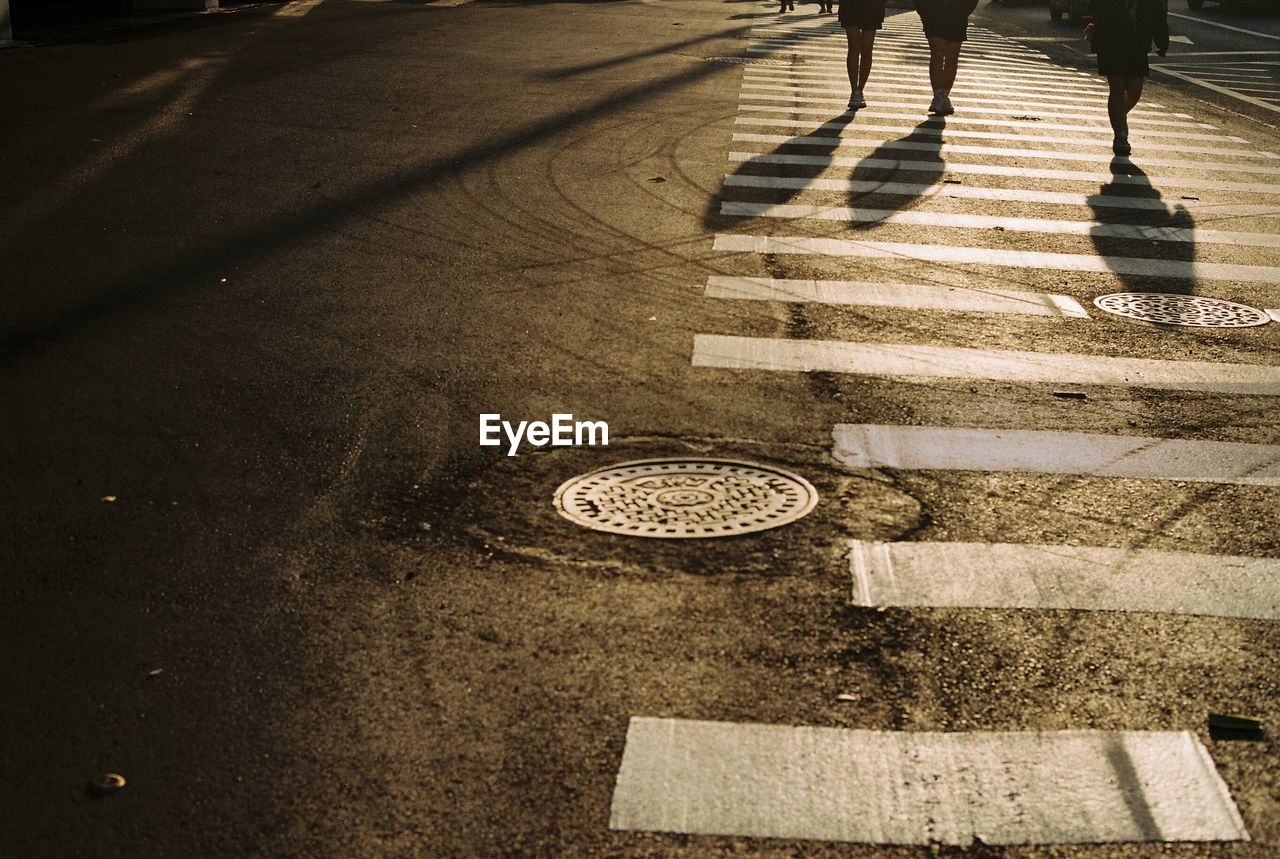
(951,362)
(904,251)
(1047,452)
(891,787)
(1006,575)
(1088,228)
(914,296)
(960,168)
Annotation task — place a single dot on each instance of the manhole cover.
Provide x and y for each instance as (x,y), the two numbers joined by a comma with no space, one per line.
(1170,309)
(675,498)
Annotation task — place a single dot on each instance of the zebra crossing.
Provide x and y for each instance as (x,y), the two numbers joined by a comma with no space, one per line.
(978,213)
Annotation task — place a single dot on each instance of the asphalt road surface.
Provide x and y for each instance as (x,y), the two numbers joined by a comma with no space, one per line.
(264,270)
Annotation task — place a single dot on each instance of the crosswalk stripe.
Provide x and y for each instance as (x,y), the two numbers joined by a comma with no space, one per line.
(965,77)
(986,135)
(1032,99)
(1020,172)
(1001,257)
(918,361)
(1006,575)
(999,122)
(840,97)
(916,296)
(832,143)
(1092,228)
(898,787)
(901,55)
(1047,452)
(1008,195)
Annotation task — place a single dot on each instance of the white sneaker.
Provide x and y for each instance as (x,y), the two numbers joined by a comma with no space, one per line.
(856,101)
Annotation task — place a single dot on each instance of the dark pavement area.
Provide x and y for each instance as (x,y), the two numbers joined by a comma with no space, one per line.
(261,274)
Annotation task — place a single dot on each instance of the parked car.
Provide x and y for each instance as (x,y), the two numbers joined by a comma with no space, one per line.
(1075,10)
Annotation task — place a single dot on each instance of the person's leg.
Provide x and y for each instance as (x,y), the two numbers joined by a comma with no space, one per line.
(867,43)
(853,65)
(1118,112)
(943,57)
(1133,91)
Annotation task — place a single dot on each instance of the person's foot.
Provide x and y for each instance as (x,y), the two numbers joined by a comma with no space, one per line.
(1120,145)
(941,106)
(856,101)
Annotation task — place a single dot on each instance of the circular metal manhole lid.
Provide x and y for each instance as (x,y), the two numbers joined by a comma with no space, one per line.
(1171,309)
(674,498)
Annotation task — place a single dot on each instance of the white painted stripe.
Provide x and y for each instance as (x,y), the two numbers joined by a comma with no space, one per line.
(897,787)
(951,121)
(1033,96)
(1005,575)
(965,77)
(840,96)
(987,135)
(998,151)
(1020,172)
(903,57)
(918,361)
(1042,452)
(915,296)
(1019,195)
(949,220)
(1257,102)
(297,8)
(1213,23)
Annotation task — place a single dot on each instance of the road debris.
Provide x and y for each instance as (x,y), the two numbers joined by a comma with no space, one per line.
(105,784)
(1071,395)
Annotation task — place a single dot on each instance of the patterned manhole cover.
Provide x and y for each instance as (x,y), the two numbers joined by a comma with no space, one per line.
(675,498)
(1171,309)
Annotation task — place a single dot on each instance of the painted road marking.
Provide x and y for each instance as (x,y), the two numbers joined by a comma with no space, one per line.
(1045,452)
(1123,266)
(1212,23)
(915,296)
(955,221)
(1257,102)
(893,787)
(952,121)
(913,83)
(1005,575)
(1000,151)
(839,96)
(297,8)
(920,361)
(1019,172)
(989,135)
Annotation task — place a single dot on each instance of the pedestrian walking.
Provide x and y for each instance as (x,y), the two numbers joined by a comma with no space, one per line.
(824,6)
(786,4)
(860,19)
(1121,34)
(946,25)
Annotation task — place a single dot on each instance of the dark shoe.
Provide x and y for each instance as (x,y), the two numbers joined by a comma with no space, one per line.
(1120,145)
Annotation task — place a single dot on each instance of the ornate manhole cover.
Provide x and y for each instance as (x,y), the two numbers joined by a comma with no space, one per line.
(675,498)
(1171,309)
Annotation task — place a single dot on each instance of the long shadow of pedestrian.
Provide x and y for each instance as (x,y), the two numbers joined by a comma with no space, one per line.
(1124,236)
(892,177)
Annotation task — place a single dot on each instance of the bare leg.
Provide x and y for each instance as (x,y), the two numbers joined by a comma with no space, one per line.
(867,46)
(853,59)
(943,59)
